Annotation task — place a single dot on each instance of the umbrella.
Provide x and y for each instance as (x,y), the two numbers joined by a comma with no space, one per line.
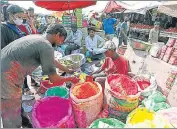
(64,5)
(169,8)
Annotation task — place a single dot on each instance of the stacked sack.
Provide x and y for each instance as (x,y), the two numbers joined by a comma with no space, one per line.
(169,52)
(122,96)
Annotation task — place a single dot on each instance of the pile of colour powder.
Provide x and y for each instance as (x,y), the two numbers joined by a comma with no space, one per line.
(123,84)
(85,90)
(51,111)
(143,82)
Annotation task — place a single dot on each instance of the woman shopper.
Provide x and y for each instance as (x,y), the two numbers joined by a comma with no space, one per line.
(9,29)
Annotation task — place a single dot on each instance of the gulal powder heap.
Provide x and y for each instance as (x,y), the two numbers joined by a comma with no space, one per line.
(50,111)
(85,90)
(123,85)
(143,118)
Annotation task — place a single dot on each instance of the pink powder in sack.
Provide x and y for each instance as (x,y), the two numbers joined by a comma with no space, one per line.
(50,111)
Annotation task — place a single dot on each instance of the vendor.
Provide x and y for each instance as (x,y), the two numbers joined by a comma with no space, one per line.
(74,40)
(114,63)
(19,59)
(92,46)
(154,33)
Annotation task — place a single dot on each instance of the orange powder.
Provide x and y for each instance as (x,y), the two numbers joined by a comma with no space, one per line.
(85,90)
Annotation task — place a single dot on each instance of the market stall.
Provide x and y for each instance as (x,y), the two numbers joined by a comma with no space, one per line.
(147,99)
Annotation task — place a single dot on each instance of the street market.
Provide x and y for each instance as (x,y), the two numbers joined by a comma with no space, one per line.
(79,64)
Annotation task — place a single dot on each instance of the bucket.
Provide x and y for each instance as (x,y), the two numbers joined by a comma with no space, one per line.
(58,91)
(52,112)
(45,85)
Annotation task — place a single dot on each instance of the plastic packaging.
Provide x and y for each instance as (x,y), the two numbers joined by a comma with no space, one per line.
(155,102)
(107,123)
(170,114)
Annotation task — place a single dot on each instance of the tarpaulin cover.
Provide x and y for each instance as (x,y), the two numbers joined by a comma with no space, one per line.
(112,6)
(64,5)
(169,8)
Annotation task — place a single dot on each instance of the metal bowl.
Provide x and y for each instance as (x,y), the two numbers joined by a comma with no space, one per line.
(76,59)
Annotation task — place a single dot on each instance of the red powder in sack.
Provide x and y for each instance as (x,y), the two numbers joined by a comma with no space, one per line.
(143,84)
(122,84)
(85,90)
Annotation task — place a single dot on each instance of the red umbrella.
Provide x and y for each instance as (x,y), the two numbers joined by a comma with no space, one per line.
(64,5)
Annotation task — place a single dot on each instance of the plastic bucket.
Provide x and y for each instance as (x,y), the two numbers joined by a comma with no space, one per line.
(45,85)
(107,123)
(52,112)
(57,91)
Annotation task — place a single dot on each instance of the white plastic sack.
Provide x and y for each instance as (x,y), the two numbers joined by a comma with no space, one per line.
(149,90)
(170,114)
(155,49)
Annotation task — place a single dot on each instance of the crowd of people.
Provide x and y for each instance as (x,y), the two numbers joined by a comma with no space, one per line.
(24,48)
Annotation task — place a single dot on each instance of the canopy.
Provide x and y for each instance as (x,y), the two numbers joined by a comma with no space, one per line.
(169,8)
(142,7)
(112,6)
(64,5)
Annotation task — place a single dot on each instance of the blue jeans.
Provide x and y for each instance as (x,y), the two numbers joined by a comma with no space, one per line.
(90,55)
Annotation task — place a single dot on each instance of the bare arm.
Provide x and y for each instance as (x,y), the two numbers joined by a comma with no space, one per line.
(55,78)
(130,71)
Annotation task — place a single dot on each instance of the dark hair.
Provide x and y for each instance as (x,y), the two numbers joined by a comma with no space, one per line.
(56,28)
(31,9)
(14,9)
(91,28)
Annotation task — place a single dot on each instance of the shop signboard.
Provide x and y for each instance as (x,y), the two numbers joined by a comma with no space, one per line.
(66,21)
(78,13)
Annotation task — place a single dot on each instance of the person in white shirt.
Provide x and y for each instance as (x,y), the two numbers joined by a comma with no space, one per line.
(154,33)
(74,40)
(94,50)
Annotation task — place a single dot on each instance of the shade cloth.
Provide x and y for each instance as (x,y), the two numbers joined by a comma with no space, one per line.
(64,5)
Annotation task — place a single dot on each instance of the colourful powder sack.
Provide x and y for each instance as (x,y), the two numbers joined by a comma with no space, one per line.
(51,111)
(143,84)
(85,90)
(122,84)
